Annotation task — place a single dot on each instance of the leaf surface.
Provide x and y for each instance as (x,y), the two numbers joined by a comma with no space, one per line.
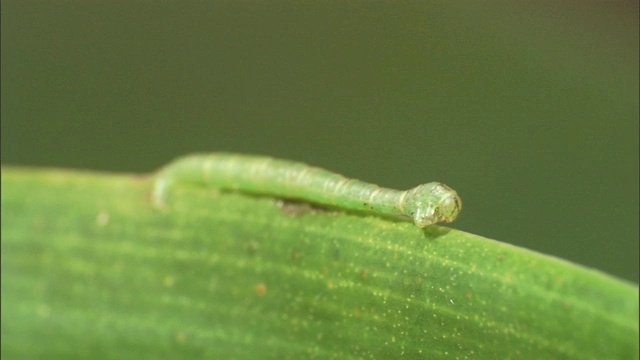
(91,269)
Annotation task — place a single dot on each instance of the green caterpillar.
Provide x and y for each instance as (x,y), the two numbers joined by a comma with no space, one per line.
(426,204)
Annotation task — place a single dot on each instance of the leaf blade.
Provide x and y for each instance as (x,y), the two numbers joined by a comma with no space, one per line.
(91,268)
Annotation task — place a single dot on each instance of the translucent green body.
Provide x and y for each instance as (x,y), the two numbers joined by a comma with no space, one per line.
(425,204)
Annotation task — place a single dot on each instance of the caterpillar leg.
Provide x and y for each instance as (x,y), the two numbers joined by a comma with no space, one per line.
(159,193)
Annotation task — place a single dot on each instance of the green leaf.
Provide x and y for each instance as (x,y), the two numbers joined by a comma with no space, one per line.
(91,270)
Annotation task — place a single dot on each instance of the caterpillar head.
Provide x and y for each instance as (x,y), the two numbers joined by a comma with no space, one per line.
(432,203)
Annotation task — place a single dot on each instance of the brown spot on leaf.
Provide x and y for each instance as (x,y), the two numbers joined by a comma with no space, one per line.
(261,290)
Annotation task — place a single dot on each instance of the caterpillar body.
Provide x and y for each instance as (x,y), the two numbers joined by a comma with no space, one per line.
(425,204)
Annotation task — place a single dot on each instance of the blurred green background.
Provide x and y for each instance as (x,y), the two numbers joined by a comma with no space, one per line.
(528,109)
